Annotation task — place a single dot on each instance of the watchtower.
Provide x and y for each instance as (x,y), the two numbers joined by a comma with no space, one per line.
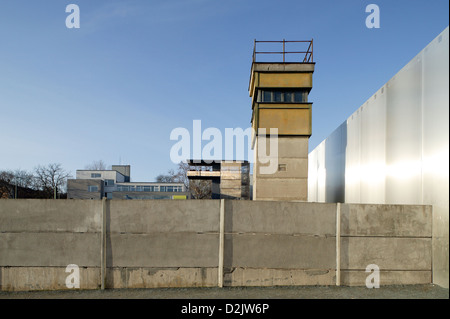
(279,90)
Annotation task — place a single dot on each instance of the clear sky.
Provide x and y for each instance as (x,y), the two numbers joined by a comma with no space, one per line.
(115,88)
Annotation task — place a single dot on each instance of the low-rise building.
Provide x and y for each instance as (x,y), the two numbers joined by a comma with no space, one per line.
(229,179)
(116,184)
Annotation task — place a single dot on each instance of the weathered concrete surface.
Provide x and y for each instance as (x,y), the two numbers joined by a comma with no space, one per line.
(281,189)
(396,238)
(146,277)
(45,278)
(283,67)
(160,216)
(176,243)
(48,215)
(386,220)
(54,278)
(162,233)
(186,295)
(290,181)
(266,277)
(256,230)
(441,243)
(162,250)
(387,277)
(295,168)
(287,218)
(387,253)
(49,249)
(279,251)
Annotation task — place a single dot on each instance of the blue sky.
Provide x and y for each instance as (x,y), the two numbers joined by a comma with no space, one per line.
(116,87)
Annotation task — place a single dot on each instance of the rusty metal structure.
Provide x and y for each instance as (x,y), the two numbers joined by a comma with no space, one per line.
(308,54)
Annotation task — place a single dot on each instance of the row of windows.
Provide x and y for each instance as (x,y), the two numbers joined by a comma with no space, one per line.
(108,182)
(121,188)
(175,189)
(291,96)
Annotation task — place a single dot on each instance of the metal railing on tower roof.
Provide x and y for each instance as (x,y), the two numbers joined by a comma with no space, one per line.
(306,56)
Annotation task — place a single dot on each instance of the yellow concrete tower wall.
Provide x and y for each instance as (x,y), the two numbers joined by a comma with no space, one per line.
(289,181)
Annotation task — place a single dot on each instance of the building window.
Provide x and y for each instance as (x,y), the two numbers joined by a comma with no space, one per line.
(92,189)
(109,182)
(290,96)
(277,96)
(109,195)
(122,188)
(96,175)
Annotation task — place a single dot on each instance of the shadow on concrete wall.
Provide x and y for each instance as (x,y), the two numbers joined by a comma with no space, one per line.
(109,254)
(228,249)
(335,157)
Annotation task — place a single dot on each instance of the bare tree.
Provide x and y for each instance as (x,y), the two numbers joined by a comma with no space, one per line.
(96,166)
(51,178)
(24,178)
(165,178)
(6,184)
(201,189)
(12,181)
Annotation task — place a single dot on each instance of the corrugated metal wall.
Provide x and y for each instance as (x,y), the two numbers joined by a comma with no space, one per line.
(395,148)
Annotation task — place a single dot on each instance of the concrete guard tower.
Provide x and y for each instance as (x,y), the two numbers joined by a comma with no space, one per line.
(279,92)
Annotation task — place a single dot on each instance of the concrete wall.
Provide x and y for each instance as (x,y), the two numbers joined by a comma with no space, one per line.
(158,243)
(40,238)
(290,179)
(395,148)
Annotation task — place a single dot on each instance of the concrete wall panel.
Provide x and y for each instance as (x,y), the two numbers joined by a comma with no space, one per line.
(386,220)
(263,251)
(148,216)
(45,278)
(280,218)
(163,250)
(49,249)
(392,253)
(48,215)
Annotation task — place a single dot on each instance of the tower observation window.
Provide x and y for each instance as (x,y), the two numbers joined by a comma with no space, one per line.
(288,96)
